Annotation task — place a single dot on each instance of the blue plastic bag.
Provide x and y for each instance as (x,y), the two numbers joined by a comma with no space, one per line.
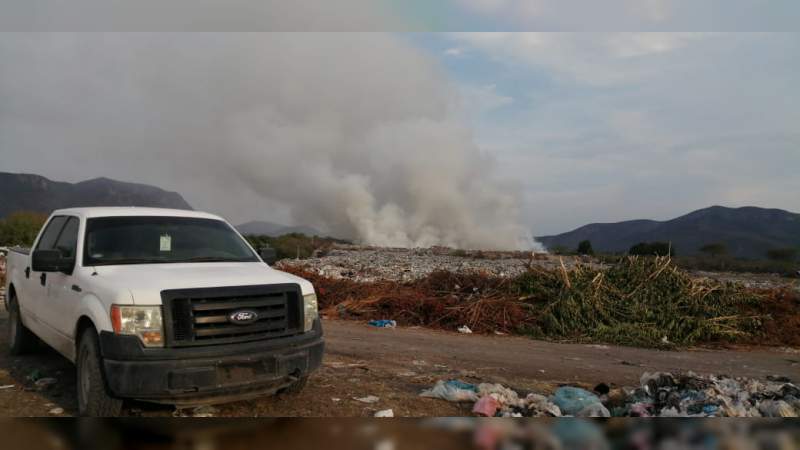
(383,323)
(573,400)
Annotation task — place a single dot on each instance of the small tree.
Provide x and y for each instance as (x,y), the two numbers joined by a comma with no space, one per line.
(782,254)
(21,228)
(715,250)
(585,248)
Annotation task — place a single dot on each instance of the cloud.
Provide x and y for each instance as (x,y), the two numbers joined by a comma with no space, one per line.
(197,15)
(454,51)
(632,15)
(614,126)
(596,58)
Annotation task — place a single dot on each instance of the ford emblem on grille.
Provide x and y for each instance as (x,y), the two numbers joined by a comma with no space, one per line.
(243,317)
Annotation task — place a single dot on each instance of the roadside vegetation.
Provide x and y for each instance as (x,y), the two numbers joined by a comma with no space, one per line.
(20,228)
(712,257)
(295,245)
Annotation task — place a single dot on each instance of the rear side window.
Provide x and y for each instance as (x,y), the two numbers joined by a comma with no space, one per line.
(67,242)
(50,235)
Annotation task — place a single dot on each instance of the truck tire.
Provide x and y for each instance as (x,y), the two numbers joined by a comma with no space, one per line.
(295,388)
(94,399)
(20,339)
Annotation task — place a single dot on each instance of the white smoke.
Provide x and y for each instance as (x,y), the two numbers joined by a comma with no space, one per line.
(354,133)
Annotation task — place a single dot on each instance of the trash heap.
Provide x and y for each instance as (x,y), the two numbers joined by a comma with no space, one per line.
(370,264)
(646,302)
(659,395)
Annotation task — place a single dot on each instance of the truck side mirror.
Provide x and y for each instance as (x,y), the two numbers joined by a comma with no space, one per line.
(268,255)
(51,261)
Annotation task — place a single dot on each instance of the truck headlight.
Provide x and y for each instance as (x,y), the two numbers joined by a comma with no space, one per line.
(310,311)
(142,321)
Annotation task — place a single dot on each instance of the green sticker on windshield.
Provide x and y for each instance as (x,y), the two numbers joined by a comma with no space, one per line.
(166,243)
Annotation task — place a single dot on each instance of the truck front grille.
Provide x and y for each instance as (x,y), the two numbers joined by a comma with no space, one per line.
(202,316)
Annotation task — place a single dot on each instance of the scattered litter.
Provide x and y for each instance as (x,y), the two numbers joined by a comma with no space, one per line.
(450,392)
(778,379)
(56,411)
(464,329)
(602,389)
(771,408)
(659,394)
(386,444)
(204,411)
(486,406)
(462,385)
(45,383)
(539,405)
(385,413)
(419,362)
(7,386)
(383,323)
(407,373)
(572,400)
(367,399)
(335,399)
(594,410)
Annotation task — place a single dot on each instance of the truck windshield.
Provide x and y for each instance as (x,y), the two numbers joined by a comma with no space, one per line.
(158,240)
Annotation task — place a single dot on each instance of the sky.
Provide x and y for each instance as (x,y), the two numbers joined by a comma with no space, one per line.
(696,105)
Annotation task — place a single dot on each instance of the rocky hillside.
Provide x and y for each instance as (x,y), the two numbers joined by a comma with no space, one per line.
(26,192)
(747,232)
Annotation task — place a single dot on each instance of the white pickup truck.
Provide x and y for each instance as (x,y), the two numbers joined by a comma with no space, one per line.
(161,305)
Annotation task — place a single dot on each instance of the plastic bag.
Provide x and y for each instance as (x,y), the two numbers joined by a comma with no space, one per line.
(571,400)
(449,392)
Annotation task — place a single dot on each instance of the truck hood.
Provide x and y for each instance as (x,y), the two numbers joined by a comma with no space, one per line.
(146,281)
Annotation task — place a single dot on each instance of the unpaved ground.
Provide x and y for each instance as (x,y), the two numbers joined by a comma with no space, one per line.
(396,364)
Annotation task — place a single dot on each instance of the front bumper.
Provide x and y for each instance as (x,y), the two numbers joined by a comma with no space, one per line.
(212,374)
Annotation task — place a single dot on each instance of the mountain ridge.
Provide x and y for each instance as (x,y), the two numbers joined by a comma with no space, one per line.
(747,232)
(31,192)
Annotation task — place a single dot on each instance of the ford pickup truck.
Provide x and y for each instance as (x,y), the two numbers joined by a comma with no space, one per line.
(160,305)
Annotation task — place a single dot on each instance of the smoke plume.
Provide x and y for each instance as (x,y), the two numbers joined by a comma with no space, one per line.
(355,133)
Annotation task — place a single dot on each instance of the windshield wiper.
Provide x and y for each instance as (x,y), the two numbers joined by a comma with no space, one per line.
(213,259)
(112,262)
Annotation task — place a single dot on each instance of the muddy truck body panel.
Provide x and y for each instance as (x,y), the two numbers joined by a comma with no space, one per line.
(176,305)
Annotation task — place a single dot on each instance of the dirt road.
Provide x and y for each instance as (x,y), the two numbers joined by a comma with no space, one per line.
(396,364)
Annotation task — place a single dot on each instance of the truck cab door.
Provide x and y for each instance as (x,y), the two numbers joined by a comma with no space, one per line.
(34,291)
(58,309)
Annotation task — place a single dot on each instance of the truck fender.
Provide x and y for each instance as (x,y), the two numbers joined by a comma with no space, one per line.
(94,310)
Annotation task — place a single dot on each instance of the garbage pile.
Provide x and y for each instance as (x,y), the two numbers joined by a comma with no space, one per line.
(659,395)
(646,302)
(371,264)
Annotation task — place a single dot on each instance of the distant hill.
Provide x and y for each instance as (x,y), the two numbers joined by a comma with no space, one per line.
(26,192)
(262,228)
(748,232)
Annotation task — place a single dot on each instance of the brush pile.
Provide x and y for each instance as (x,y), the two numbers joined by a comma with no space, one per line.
(639,301)
(645,302)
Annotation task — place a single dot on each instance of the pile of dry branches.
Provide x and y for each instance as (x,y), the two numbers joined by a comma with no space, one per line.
(638,301)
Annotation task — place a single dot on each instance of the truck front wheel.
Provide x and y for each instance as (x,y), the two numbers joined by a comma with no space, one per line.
(20,339)
(93,397)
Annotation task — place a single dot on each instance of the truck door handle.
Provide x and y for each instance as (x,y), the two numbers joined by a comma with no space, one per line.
(27,272)
(76,288)
(43,278)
